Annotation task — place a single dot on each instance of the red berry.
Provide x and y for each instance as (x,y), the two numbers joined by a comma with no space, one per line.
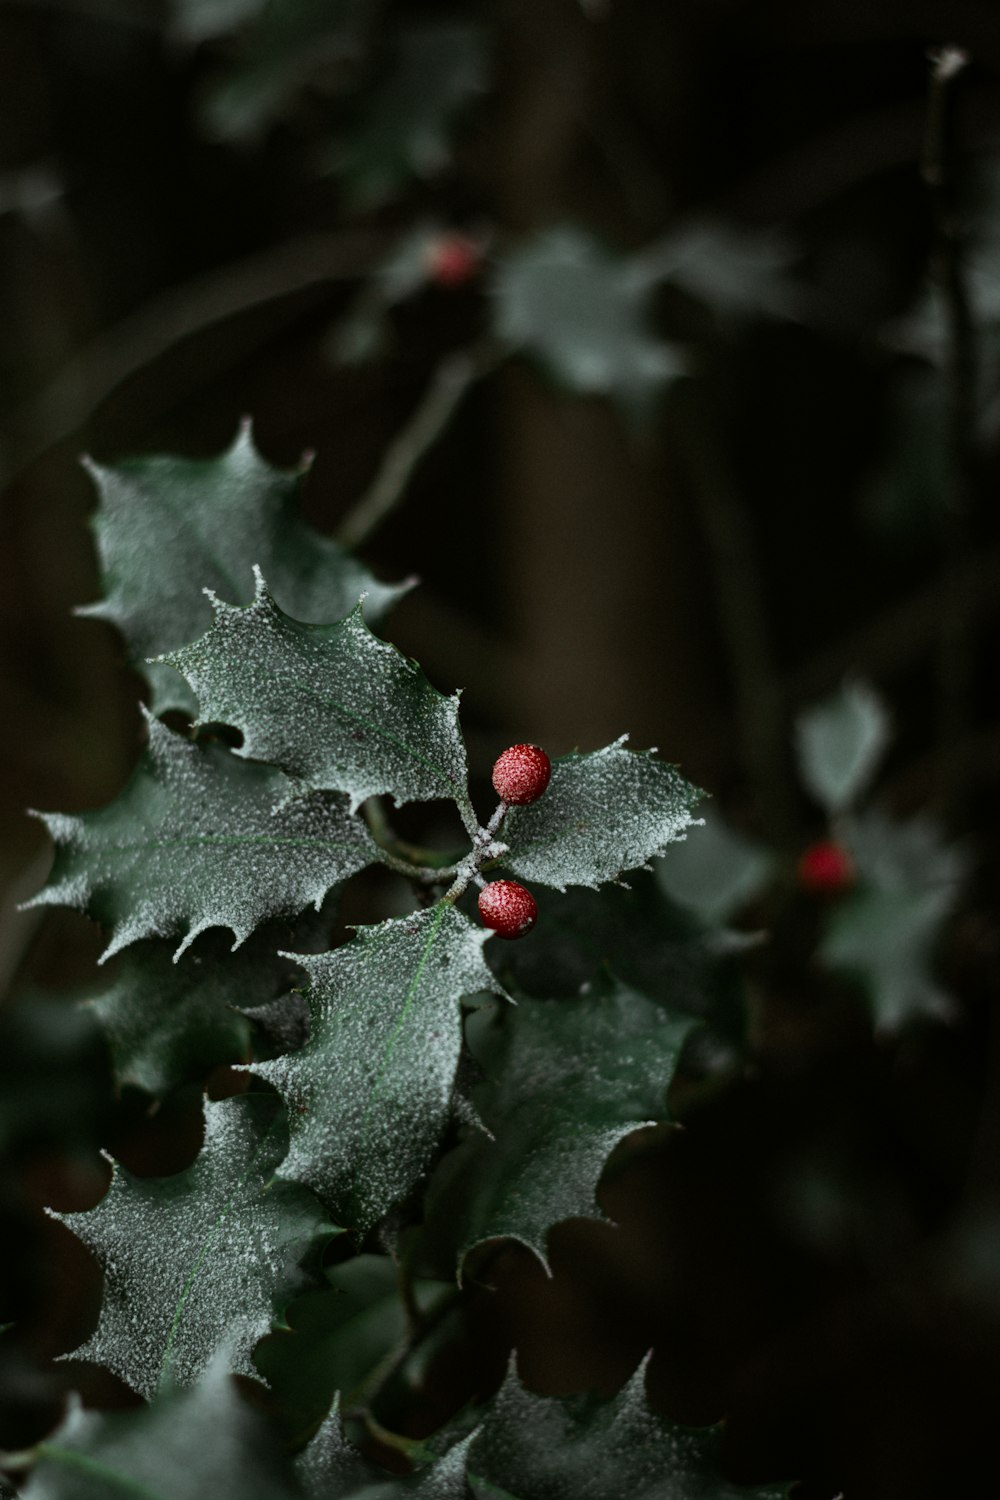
(453,260)
(508,908)
(826,868)
(521,774)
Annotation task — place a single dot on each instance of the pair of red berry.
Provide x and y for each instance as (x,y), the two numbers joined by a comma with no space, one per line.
(520,776)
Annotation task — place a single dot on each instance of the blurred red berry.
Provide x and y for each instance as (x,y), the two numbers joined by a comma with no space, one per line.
(507,908)
(826,868)
(453,260)
(521,774)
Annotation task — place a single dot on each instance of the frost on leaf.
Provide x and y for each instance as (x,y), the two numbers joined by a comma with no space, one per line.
(188,1445)
(195,841)
(331,704)
(535,1448)
(169,1022)
(604,813)
(330,1469)
(565,1081)
(167,528)
(371,1092)
(207,1254)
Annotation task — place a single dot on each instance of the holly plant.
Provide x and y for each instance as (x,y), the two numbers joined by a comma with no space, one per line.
(401,1097)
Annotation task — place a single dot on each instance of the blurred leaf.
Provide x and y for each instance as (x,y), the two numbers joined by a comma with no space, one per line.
(195,21)
(735,270)
(714,871)
(840,743)
(168,528)
(340,1338)
(208,1254)
(291,43)
(585,314)
(886,932)
(187,1445)
(436,69)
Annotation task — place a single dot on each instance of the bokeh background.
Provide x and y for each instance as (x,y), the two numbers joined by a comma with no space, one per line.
(199,201)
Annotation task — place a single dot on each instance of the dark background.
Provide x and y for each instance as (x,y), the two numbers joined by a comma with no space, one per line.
(787,515)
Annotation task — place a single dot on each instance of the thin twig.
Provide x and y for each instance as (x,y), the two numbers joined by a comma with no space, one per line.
(954,654)
(448,385)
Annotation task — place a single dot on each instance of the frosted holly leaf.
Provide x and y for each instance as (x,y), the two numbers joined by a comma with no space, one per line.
(185,1446)
(886,932)
(840,743)
(604,813)
(167,528)
(168,1022)
(565,1081)
(330,704)
(536,1448)
(370,1093)
(341,1337)
(585,314)
(329,1468)
(197,840)
(211,1252)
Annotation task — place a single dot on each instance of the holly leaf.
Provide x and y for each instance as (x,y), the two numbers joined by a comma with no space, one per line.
(437,68)
(196,840)
(565,1081)
(293,44)
(585,314)
(534,1448)
(370,1093)
(886,932)
(343,1338)
(330,704)
(840,743)
(167,1022)
(167,528)
(604,813)
(331,1469)
(186,1445)
(209,1253)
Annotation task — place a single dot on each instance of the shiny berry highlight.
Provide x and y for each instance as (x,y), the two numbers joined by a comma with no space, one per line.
(507,908)
(521,774)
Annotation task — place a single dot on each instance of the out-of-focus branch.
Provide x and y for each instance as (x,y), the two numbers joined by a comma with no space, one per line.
(448,385)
